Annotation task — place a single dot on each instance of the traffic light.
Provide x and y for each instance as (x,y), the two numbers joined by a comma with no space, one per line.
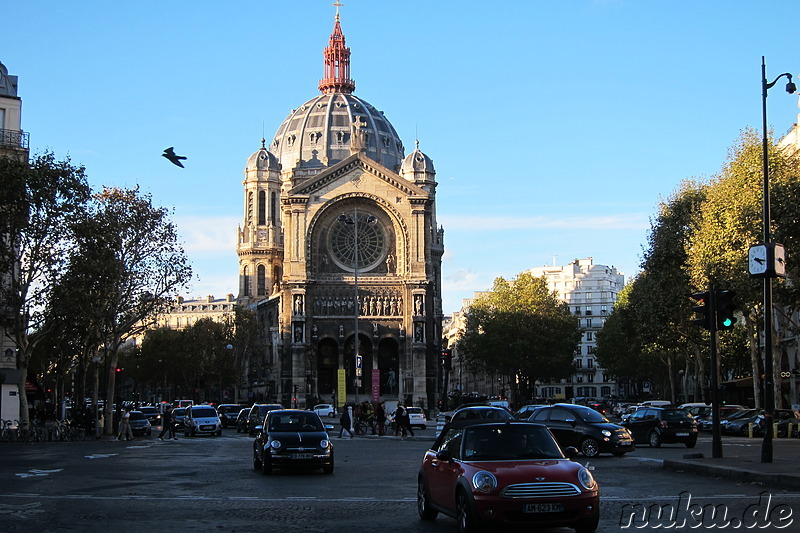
(725,307)
(447,358)
(702,309)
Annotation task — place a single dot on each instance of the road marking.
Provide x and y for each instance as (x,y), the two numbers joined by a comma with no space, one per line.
(35,472)
(100,455)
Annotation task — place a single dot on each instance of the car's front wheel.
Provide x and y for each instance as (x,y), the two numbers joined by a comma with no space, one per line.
(424,502)
(465,515)
(256,462)
(691,443)
(590,447)
(587,526)
(266,466)
(654,439)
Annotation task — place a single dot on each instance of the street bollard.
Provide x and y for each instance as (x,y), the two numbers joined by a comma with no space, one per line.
(775,429)
(750,427)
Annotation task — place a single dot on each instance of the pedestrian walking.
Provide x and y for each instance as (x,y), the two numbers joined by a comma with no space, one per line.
(344,420)
(380,415)
(401,421)
(125,432)
(167,425)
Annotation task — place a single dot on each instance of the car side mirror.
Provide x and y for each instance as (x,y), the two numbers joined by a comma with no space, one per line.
(328,426)
(258,428)
(445,455)
(571,452)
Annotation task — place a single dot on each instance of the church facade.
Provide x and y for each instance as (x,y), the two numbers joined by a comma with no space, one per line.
(340,253)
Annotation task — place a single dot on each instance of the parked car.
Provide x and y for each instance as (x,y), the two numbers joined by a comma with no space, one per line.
(257,413)
(660,425)
(178,415)
(697,410)
(325,409)
(291,438)
(241,420)
(228,412)
(201,420)
(584,428)
(730,412)
(524,412)
(489,475)
(472,411)
(741,425)
(416,417)
(139,423)
(152,414)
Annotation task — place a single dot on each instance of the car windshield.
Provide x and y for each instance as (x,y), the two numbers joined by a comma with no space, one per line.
(509,442)
(414,410)
(590,415)
(294,422)
(204,412)
(136,415)
(149,410)
(676,415)
(496,414)
(180,411)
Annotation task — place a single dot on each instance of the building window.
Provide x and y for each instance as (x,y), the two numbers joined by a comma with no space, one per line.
(262,207)
(605,391)
(249,207)
(590,361)
(603,310)
(273,208)
(590,349)
(262,280)
(589,336)
(588,322)
(588,311)
(590,378)
(578,310)
(246,281)
(578,363)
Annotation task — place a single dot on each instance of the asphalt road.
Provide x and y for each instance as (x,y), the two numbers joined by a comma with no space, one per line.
(208,483)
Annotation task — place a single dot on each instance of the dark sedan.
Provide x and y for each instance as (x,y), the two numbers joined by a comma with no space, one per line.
(241,420)
(657,425)
(586,429)
(139,423)
(178,415)
(228,412)
(292,438)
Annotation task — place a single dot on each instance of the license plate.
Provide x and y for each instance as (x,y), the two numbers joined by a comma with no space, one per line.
(681,434)
(302,456)
(544,507)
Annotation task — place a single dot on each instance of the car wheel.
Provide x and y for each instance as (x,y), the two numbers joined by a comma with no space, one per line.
(691,443)
(590,447)
(256,462)
(328,469)
(424,502)
(465,516)
(654,439)
(745,431)
(219,432)
(587,526)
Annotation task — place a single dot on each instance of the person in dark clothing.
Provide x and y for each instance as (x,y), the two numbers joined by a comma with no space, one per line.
(380,415)
(167,424)
(344,420)
(402,421)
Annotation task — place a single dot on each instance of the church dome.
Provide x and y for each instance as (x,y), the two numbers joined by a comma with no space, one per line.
(319,133)
(417,161)
(262,159)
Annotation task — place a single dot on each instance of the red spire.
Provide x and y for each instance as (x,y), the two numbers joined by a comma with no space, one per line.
(337,63)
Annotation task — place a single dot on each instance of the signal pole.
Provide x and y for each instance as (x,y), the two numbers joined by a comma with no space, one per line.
(716,437)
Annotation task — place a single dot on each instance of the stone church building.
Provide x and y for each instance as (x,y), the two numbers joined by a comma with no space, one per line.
(340,253)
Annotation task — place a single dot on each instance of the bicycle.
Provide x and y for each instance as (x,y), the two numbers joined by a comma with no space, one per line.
(9,431)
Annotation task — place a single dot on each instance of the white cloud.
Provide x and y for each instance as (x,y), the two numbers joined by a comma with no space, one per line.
(208,235)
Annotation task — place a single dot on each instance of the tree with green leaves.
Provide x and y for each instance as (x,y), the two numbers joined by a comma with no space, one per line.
(39,202)
(521,329)
(147,268)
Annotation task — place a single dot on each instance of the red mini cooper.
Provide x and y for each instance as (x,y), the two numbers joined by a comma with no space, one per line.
(489,474)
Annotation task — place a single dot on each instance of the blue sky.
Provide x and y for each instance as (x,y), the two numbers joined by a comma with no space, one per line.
(555,126)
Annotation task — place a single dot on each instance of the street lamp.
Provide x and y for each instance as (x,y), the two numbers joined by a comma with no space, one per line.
(769,395)
(352,220)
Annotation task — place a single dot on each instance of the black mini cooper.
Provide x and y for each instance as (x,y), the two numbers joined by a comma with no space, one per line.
(292,438)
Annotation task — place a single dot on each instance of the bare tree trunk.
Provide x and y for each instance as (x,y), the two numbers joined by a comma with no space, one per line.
(755,356)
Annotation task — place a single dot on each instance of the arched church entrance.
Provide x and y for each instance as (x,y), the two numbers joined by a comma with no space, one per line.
(327,363)
(388,351)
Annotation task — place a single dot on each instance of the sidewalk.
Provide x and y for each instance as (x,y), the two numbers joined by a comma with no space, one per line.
(742,462)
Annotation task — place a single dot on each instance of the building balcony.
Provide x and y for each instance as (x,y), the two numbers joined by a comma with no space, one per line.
(14,139)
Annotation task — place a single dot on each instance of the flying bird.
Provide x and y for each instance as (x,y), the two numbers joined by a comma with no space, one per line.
(170,154)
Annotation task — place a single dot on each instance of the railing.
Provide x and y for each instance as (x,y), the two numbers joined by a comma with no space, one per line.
(14,138)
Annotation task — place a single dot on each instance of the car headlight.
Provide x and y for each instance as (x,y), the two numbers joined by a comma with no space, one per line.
(275,444)
(606,433)
(586,479)
(323,443)
(484,481)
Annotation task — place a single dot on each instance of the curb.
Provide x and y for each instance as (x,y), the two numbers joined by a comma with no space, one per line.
(787,481)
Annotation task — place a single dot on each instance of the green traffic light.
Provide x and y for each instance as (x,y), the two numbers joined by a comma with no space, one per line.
(728,322)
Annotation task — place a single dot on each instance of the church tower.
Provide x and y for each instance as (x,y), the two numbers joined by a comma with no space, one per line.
(351,263)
